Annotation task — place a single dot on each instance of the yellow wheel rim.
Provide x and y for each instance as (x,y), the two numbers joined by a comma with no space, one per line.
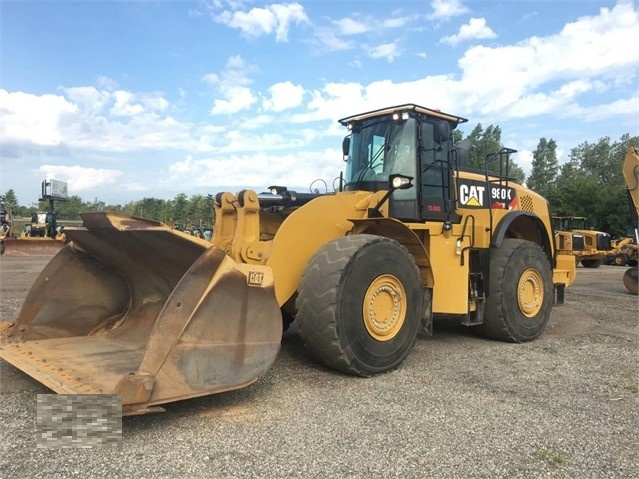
(384,308)
(530,292)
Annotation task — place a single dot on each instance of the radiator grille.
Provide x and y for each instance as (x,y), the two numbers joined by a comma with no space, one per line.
(526,203)
(603,241)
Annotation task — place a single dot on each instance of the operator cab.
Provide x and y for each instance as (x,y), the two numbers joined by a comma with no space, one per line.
(409,140)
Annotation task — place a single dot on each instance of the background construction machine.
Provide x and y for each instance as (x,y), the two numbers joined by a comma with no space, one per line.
(6,228)
(573,236)
(42,235)
(624,252)
(631,177)
(133,307)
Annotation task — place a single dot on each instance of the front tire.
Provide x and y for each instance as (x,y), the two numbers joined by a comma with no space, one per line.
(521,292)
(359,304)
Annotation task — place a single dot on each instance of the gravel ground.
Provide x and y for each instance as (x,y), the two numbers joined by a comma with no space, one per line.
(460,406)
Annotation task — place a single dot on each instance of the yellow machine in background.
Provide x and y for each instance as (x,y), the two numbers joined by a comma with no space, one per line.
(574,237)
(133,307)
(42,236)
(631,177)
(6,228)
(624,252)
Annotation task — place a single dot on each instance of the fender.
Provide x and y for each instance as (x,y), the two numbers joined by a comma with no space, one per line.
(523,225)
(395,229)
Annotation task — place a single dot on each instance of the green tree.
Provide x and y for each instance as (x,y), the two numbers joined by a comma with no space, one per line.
(544,167)
(70,209)
(181,208)
(591,184)
(198,210)
(9,200)
(484,154)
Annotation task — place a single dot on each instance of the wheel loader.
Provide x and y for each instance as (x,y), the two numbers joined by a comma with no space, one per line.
(132,307)
(631,178)
(624,252)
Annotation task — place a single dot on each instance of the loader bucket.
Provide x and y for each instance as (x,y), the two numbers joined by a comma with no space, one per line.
(132,307)
(32,246)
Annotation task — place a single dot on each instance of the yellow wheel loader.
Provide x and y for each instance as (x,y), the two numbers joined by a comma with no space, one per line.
(624,252)
(132,307)
(631,177)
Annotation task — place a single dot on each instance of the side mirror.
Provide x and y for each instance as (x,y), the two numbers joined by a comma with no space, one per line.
(346,146)
(441,131)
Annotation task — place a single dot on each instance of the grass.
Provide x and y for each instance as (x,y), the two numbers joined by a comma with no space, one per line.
(552,458)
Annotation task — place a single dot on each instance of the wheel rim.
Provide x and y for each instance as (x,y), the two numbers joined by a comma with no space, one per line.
(530,292)
(384,308)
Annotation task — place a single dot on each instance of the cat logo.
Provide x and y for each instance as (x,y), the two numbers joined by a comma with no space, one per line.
(255,278)
(471,195)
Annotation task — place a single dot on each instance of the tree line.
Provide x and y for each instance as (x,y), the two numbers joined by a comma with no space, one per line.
(181,211)
(589,184)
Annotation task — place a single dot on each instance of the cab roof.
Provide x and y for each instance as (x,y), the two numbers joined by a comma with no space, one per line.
(401,108)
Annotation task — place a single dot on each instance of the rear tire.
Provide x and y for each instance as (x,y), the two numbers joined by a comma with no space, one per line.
(359,304)
(520,292)
(591,263)
(620,259)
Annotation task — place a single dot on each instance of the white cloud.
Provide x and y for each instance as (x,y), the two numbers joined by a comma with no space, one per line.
(284,95)
(475,29)
(33,118)
(88,98)
(348,26)
(80,178)
(396,22)
(276,18)
(326,40)
(443,9)
(231,84)
(89,118)
(389,51)
(125,104)
(236,98)
(107,83)
(584,51)
(259,170)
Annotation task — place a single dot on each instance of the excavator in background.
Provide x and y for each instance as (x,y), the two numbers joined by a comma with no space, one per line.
(133,307)
(631,178)
(42,236)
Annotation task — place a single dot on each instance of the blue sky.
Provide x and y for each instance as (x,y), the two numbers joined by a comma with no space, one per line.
(133,99)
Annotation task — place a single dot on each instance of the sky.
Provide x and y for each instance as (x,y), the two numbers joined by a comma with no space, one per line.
(131,99)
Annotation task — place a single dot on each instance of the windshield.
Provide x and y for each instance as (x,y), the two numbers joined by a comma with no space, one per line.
(380,149)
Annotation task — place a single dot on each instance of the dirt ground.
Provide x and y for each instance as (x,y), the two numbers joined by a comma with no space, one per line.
(564,406)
